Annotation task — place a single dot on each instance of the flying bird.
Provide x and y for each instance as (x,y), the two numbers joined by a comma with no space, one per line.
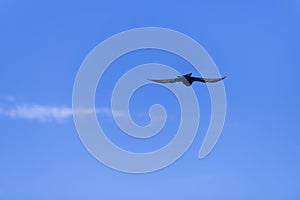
(188,79)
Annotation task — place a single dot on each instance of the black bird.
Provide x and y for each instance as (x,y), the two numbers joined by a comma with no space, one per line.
(188,79)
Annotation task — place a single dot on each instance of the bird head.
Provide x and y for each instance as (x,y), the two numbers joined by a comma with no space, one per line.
(189,74)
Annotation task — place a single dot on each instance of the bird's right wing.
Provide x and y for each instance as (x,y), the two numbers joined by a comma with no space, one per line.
(209,80)
(172,80)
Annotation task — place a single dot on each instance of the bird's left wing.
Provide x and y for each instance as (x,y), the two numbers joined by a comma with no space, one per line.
(172,80)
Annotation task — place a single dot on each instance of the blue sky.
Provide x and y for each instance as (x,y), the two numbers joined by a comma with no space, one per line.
(256,44)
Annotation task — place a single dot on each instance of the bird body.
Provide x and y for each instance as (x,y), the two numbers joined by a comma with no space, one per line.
(188,79)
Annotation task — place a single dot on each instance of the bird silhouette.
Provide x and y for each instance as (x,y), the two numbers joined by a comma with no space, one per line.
(188,79)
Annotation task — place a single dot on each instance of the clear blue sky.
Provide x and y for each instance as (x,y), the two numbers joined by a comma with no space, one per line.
(255,43)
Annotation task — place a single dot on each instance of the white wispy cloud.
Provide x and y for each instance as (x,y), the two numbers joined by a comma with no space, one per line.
(44,113)
(10,107)
(37,112)
(107,111)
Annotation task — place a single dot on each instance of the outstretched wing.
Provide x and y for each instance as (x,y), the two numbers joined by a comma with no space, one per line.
(209,80)
(172,80)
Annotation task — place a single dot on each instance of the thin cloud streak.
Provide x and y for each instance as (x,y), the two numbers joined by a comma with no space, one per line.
(44,113)
(37,112)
